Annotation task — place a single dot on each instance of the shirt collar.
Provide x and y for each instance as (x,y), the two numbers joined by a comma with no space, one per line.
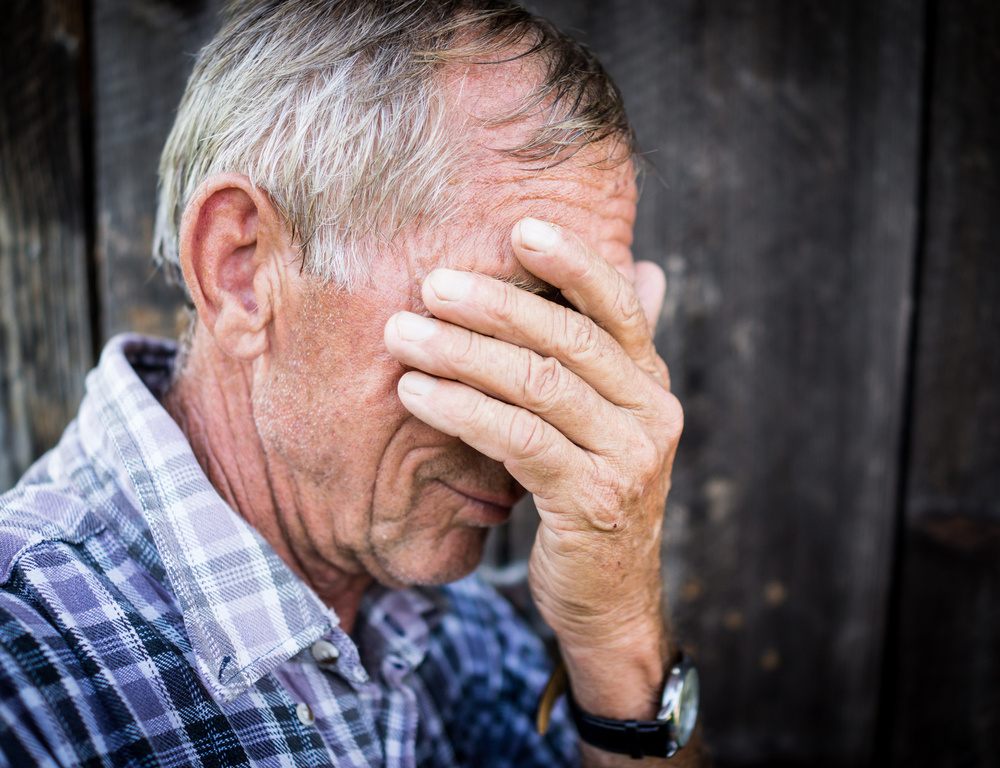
(245,611)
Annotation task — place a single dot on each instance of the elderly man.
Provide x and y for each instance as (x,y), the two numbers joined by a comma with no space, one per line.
(405,230)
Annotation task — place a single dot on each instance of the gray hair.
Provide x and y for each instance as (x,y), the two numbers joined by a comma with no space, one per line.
(335,109)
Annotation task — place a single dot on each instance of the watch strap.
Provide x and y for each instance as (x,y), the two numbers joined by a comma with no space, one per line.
(635,738)
(556,687)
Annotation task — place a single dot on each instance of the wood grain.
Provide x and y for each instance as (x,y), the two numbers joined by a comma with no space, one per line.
(810,163)
(45,329)
(782,204)
(946,688)
(144,50)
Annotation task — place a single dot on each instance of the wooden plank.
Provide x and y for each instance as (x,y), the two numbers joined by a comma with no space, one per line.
(947,675)
(45,332)
(144,50)
(784,138)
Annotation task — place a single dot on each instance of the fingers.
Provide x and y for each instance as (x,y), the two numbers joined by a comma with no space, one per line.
(592,285)
(499,310)
(567,400)
(524,443)
(515,374)
(535,453)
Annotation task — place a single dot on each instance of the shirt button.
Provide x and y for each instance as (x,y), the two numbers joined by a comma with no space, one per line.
(306,716)
(325,652)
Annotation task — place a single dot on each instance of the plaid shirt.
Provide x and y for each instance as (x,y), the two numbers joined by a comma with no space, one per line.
(143,622)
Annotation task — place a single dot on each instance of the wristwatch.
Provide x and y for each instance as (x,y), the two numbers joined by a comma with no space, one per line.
(661,737)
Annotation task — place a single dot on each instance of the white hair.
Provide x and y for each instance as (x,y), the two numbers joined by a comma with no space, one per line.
(335,109)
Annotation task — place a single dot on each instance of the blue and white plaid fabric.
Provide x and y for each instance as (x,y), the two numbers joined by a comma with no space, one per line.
(143,622)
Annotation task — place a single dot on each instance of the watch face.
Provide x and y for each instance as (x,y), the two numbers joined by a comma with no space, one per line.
(687,707)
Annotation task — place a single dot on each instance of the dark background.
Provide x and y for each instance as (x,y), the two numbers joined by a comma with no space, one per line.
(824,196)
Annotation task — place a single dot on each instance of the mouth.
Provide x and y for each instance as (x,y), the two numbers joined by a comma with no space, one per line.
(492,507)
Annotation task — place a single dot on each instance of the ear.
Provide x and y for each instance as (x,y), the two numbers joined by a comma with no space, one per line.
(231,236)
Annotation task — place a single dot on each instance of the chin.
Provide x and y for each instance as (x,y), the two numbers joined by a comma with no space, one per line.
(426,565)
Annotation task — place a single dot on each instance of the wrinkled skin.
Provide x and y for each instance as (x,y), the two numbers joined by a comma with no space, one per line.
(379,433)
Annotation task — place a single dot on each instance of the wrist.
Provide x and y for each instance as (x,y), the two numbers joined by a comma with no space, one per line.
(622,678)
(660,735)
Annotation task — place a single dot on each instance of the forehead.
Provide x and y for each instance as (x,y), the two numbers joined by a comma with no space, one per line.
(596,203)
(591,193)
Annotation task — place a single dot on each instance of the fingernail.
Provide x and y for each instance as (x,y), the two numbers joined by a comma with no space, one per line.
(414,327)
(449,285)
(418,383)
(537,235)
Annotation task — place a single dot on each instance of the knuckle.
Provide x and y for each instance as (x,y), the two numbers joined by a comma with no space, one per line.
(527,435)
(590,268)
(625,481)
(582,332)
(465,350)
(628,307)
(670,416)
(543,381)
(477,413)
(656,368)
(587,344)
(507,304)
(609,504)
(646,459)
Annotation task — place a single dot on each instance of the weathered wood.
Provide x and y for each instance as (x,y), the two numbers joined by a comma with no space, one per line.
(947,684)
(45,341)
(144,50)
(784,141)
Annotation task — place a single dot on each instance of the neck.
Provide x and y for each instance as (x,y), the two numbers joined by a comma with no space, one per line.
(211,400)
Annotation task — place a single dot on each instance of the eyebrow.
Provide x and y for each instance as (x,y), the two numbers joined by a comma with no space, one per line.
(521,278)
(528,282)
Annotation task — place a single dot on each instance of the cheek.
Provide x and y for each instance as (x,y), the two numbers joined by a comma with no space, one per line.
(329,405)
(320,425)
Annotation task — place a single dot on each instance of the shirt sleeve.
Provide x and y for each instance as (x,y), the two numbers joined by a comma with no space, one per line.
(486,670)
(36,709)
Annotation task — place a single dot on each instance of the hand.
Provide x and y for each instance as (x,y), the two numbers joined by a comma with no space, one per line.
(577,406)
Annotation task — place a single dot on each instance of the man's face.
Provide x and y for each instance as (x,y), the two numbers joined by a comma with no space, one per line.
(376,490)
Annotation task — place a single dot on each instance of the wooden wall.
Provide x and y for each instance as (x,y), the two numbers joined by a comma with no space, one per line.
(824,195)
(944,651)
(46,344)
